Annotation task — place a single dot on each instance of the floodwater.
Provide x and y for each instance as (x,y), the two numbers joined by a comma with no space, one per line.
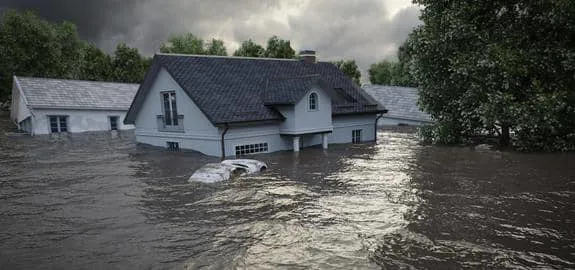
(99,201)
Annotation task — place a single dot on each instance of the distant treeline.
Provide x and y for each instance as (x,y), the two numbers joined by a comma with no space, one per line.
(32,46)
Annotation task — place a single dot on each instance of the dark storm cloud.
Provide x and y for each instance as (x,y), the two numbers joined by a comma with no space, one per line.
(92,17)
(359,29)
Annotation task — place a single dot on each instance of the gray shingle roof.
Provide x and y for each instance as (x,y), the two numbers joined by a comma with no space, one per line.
(401,102)
(72,94)
(235,89)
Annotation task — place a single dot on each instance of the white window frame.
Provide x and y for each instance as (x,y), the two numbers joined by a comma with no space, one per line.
(309,103)
(59,123)
(251,149)
(172,94)
(117,122)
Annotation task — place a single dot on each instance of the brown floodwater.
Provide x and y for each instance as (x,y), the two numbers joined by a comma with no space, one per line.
(99,201)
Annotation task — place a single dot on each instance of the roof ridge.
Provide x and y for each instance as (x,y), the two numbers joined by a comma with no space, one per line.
(71,80)
(227,56)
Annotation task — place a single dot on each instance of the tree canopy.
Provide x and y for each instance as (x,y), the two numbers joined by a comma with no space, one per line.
(388,72)
(349,67)
(497,67)
(188,43)
(30,46)
(249,48)
(279,48)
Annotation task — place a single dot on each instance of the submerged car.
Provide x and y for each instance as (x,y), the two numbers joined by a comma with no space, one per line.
(249,165)
(216,172)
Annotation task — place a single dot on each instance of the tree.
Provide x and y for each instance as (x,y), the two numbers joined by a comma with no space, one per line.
(128,65)
(497,67)
(349,67)
(382,72)
(394,73)
(30,46)
(279,48)
(249,48)
(216,47)
(186,43)
(96,65)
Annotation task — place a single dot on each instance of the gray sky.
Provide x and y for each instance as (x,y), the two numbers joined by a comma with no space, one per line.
(365,30)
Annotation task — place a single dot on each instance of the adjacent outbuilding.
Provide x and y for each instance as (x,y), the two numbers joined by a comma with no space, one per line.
(401,103)
(236,106)
(45,106)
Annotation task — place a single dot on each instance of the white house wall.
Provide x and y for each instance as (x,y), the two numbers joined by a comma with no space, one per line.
(199,135)
(313,121)
(255,135)
(344,125)
(19,111)
(78,120)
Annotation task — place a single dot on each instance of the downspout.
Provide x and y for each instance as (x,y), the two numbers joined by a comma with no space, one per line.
(223,141)
(379,116)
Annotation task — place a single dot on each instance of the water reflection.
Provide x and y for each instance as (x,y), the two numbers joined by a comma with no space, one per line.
(486,210)
(99,201)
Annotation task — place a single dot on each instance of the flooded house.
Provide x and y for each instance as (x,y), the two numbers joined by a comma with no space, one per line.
(46,106)
(226,106)
(401,103)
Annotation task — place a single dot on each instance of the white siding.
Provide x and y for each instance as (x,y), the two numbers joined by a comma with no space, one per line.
(200,135)
(254,135)
(344,125)
(78,120)
(307,121)
(19,111)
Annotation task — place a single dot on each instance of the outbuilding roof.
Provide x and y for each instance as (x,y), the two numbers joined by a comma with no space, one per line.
(240,89)
(401,102)
(47,93)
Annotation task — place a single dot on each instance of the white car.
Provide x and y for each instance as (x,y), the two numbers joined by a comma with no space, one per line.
(216,172)
(249,165)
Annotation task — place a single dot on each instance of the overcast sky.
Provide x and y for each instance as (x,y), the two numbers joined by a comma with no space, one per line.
(365,30)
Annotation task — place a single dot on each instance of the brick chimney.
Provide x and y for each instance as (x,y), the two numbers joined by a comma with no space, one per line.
(308,56)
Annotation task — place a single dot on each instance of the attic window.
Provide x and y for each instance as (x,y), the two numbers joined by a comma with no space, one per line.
(313,106)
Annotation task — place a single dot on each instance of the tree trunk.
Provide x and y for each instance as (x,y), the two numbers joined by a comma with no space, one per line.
(505,139)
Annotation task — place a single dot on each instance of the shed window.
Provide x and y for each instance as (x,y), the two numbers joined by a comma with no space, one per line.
(313,101)
(242,150)
(356,136)
(58,123)
(113,123)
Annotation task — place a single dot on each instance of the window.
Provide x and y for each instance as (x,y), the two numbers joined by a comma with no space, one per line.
(173,146)
(242,150)
(113,123)
(313,102)
(170,109)
(58,123)
(356,136)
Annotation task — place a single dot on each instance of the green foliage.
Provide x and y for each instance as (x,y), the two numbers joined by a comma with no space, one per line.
(249,48)
(128,65)
(188,43)
(279,48)
(97,66)
(216,47)
(185,43)
(394,73)
(30,46)
(381,72)
(498,66)
(349,67)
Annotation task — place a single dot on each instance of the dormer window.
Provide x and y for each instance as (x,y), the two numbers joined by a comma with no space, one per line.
(313,102)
